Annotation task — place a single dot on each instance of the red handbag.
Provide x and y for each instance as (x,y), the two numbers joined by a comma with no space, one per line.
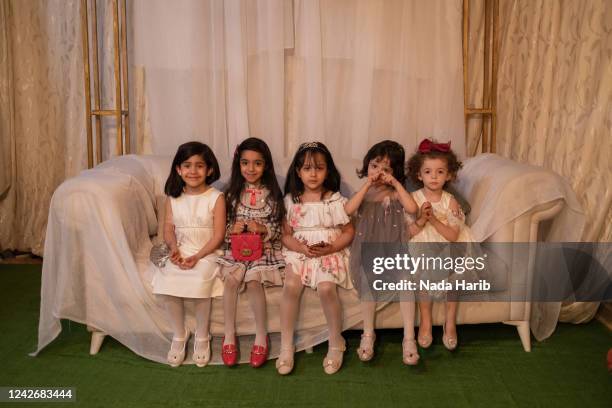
(247,246)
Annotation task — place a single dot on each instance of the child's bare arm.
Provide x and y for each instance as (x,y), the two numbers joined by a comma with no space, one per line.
(355,201)
(417,226)
(404,197)
(347,233)
(449,232)
(169,235)
(291,243)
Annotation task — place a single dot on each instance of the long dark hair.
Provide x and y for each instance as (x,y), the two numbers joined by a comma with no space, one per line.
(390,149)
(175,184)
(268,179)
(295,186)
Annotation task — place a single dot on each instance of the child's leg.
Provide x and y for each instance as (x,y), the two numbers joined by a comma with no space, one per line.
(230,297)
(366,346)
(257,299)
(368,311)
(328,295)
(425,337)
(410,354)
(408,310)
(290,303)
(201,344)
(202,315)
(176,315)
(175,311)
(450,321)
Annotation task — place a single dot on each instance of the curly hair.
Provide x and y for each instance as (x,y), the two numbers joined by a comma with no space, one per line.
(416,161)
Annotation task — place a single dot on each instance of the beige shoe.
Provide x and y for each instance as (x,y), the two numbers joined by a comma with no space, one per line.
(366,346)
(450,342)
(176,355)
(201,350)
(284,363)
(330,365)
(424,340)
(410,354)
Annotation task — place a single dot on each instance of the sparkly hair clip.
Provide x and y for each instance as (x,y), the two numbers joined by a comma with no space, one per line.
(309,145)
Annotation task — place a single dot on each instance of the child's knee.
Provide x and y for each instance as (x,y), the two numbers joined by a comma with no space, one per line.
(231,283)
(327,291)
(254,286)
(292,287)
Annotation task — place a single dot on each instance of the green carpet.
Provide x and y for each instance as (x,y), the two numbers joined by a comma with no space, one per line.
(489,368)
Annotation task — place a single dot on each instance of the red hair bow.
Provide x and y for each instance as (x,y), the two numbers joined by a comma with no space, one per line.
(428,146)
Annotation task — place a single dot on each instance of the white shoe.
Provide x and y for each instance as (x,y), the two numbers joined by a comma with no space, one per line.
(176,355)
(201,350)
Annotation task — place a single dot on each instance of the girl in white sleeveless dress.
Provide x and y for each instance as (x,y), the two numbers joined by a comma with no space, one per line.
(440,219)
(194,228)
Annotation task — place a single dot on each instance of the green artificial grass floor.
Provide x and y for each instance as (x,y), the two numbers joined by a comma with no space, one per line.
(489,369)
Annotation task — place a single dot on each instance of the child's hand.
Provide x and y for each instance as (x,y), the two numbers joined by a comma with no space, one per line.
(387,178)
(254,226)
(426,210)
(305,249)
(373,179)
(175,257)
(238,227)
(189,262)
(323,249)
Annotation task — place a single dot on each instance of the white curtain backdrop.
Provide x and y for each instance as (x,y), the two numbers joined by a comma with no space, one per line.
(348,73)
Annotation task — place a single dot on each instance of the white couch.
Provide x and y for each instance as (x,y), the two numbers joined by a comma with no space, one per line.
(102,223)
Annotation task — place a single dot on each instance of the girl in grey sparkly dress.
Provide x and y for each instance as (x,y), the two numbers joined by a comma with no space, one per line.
(379,209)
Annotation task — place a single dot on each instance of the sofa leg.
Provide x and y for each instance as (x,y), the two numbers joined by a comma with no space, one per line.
(524,332)
(97,337)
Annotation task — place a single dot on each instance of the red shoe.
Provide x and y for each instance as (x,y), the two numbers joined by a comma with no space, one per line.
(229,353)
(259,354)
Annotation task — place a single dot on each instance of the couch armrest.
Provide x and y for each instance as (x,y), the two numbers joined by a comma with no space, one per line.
(97,232)
(500,191)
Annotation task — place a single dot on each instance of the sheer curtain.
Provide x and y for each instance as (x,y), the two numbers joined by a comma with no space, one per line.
(348,73)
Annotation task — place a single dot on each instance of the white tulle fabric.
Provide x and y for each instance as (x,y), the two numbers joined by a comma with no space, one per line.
(101,223)
(500,190)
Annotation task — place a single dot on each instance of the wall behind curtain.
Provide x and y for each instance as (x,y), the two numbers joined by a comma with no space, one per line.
(42,113)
